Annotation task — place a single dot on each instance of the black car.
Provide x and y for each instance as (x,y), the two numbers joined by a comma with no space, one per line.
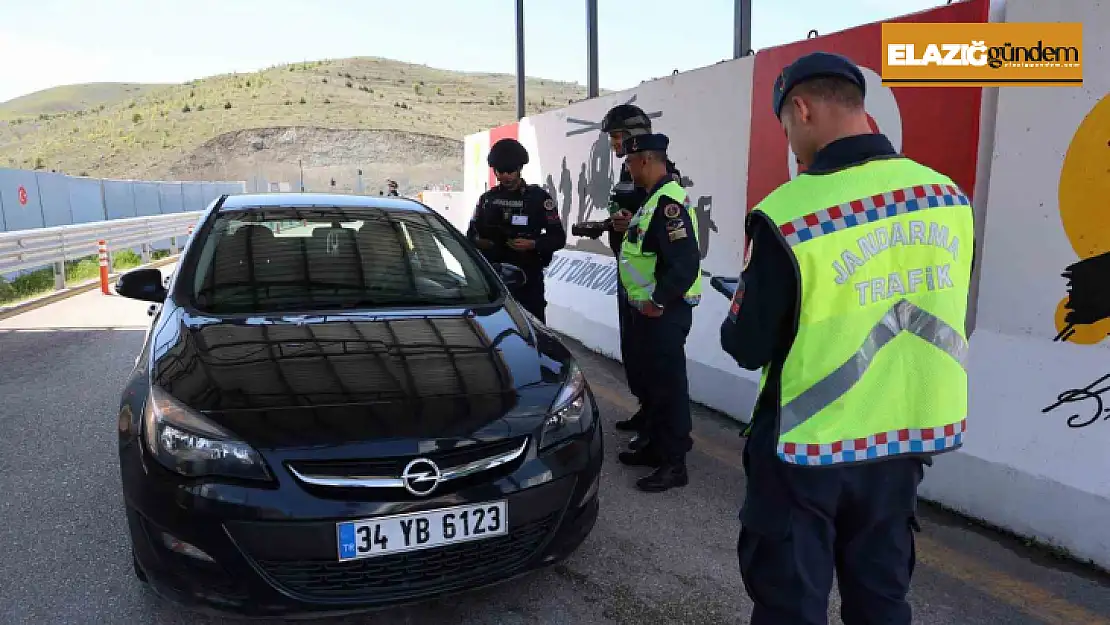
(339,407)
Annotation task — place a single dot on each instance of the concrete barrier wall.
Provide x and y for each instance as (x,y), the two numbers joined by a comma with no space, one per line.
(33,199)
(451,204)
(1040,384)
(86,201)
(1038,182)
(19,200)
(54,195)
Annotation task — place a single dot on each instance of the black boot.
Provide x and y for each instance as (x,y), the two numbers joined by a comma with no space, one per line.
(646,457)
(638,442)
(634,423)
(665,477)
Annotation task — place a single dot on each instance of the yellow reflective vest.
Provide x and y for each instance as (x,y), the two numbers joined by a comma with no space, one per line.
(637,266)
(883,255)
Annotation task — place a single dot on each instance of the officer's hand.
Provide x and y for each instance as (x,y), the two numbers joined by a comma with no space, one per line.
(651,310)
(484,244)
(620,220)
(522,245)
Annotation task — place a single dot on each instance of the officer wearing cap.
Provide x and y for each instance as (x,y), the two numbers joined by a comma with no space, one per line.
(853,304)
(393,187)
(620,123)
(517,223)
(660,271)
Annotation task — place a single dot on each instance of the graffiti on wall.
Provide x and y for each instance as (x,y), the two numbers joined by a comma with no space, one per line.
(1092,399)
(582,190)
(1083,316)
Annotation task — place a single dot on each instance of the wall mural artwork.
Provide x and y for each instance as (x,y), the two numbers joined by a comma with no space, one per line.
(1084,315)
(584,195)
(1092,399)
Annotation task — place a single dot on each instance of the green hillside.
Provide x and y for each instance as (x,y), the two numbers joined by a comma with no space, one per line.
(147,131)
(71,98)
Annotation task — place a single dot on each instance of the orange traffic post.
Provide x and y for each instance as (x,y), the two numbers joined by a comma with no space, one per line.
(104,267)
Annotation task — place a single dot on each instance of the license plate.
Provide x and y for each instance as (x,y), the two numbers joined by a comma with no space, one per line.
(387,535)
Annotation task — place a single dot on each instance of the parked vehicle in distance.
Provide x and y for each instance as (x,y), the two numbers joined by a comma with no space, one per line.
(339,407)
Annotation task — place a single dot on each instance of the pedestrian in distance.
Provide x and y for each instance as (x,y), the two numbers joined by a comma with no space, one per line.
(660,271)
(853,304)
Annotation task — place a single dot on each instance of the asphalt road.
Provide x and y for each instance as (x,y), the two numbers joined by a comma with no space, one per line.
(652,559)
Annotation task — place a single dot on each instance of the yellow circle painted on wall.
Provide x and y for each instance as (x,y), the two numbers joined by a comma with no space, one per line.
(1085,214)
(1085,184)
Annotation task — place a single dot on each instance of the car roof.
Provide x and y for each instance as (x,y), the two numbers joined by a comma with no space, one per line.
(247,201)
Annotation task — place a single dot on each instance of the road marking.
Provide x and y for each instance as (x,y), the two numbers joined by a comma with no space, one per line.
(1021,595)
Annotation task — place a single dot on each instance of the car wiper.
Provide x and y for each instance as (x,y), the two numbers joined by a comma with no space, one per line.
(414,301)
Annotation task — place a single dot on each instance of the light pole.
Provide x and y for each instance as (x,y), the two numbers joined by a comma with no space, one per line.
(591,49)
(520,111)
(742,28)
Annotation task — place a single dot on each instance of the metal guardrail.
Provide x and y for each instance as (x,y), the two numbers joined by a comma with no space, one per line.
(42,247)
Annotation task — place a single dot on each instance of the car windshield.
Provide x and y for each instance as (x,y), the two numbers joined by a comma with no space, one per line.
(262,261)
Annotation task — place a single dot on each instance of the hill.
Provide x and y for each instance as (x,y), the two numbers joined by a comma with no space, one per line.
(71,98)
(389,118)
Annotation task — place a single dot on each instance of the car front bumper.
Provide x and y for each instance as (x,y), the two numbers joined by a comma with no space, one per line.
(267,559)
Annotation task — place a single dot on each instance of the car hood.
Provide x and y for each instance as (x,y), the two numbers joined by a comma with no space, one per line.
(324,380)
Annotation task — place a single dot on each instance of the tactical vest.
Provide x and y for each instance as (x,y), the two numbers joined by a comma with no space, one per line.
(637,266)
(882,253)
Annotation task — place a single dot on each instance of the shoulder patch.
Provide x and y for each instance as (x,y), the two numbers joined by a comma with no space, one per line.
(549,204)
(671,211)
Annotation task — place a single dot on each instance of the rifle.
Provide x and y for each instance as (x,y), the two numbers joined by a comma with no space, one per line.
(590,229)
(725,286)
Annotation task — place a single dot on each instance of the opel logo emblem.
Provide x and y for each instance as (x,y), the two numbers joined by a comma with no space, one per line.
(421,476)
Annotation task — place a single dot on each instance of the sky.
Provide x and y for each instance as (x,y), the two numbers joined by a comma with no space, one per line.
(44,43)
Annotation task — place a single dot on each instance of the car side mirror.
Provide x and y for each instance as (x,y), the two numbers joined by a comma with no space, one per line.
(142,284)
(511,275)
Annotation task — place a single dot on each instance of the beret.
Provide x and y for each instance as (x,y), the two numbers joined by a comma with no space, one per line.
(646,143)
(814,65)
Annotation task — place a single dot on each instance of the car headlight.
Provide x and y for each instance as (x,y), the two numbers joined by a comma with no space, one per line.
(185,442)
(571,412)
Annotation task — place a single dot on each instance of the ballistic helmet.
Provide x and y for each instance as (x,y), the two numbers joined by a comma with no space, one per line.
(507,155)
(626,118)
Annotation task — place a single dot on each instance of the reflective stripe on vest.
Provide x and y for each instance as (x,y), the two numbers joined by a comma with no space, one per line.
(637,266)
(878,365)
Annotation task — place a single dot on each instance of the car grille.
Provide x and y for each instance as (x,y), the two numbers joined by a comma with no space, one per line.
(392,466)
(414,574)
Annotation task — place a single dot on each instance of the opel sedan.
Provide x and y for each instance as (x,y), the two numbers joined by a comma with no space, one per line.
(339,407)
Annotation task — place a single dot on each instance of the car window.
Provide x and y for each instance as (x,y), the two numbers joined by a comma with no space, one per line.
(262,261)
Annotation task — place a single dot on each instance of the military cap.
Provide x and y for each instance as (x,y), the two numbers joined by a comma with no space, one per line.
(646,143)
(814,65)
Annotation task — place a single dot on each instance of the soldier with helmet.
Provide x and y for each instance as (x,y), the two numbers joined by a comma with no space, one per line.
(518,223)
(620,123)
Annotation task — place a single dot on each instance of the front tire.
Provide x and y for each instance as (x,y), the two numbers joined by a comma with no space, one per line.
(138,569)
